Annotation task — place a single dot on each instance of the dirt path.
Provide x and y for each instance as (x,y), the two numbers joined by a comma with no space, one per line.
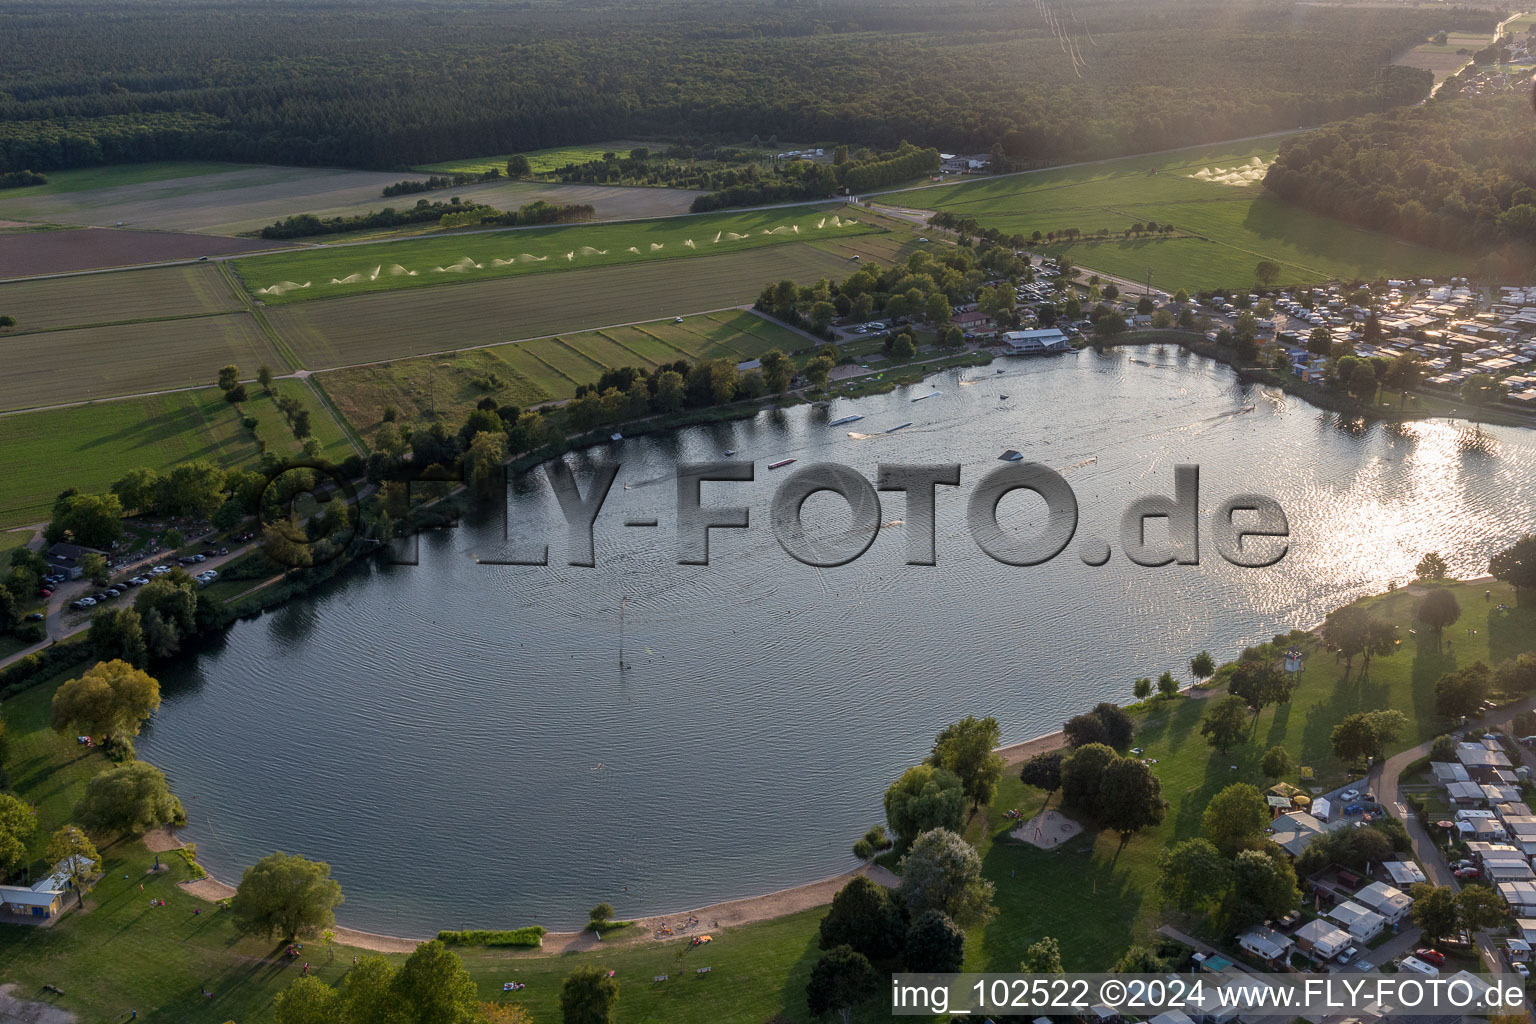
(15,1010)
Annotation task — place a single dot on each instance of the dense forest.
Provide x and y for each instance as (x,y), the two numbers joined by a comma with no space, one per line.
(1455,173)
(389,85)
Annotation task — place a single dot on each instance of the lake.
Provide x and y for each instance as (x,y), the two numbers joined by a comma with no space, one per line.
(459,742)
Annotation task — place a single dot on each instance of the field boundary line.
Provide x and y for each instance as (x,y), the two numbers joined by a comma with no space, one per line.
(602,366)
(125,323)
(324,397)
(284,352)
(643,359)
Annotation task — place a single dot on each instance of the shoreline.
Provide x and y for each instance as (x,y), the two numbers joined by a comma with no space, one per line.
(777,903)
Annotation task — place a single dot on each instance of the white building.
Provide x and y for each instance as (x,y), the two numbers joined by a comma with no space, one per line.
(1266,943)
(1037,342)
(1363,925)
(1322,939)
(1404,872)
(1390,902)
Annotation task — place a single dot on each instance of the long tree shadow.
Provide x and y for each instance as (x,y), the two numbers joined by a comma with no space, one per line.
(1511,631)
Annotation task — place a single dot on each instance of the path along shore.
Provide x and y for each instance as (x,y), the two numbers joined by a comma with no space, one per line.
(716,916)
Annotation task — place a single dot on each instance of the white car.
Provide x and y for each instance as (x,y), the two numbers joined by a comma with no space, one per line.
(1521,969)
(1349,794)
(89,602)
(160,570)
(211,574)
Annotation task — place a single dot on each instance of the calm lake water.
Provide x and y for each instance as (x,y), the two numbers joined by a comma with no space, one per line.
(458,742)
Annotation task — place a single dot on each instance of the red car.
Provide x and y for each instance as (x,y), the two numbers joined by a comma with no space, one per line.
(45,592)
(1466,873)
(1431,956)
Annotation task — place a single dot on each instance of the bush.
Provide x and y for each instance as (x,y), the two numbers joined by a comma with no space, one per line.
(533,935)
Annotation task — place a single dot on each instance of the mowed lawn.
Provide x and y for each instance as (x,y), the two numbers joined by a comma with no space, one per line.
(394,325)
(543,369)
(1097,899)
(117,297)
(1223,228)
(423,262)
(90,446)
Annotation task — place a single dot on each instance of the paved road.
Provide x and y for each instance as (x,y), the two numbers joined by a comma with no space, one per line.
(1386,776)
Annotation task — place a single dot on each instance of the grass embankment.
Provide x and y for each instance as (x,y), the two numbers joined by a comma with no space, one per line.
(423,262)
(1092,895)
(1223,229)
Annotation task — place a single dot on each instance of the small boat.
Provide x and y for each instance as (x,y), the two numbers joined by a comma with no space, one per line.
(615,437)
(1003,397)
(1011,456)
(1000,371)
(780,464)
(893,430)
(730,451)
(845,419)
(930,394)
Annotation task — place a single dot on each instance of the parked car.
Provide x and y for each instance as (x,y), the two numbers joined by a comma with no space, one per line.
(1466,873)
(45,593)
(211,574)
(1348,955)
(1349,794)
(1520,969)
(87,602)
(113,592)
(160,570)
(35,617)
(1431,956)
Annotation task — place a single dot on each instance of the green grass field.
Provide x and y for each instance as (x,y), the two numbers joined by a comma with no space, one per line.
(1442,58)
(1223,229)
(88,179)
(395,325)
(89,446)
(541,161)
(422,262)
(543,369)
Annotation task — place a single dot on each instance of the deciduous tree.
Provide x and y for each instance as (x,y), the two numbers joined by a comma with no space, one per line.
(1235,818)
(111,700)
(865,916)
(286,894)
(1226,723)
(130,797)
(924,798)
(943,872)
(935,944)
(968,748)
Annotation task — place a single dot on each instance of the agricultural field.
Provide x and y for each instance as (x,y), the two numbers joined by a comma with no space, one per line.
(89,446)
(422,262)
(1212,195)
(32,253)
(543,369)
(230,199)
(88,363)
(1443,58)
(372,328)
(541,161)
(120,297)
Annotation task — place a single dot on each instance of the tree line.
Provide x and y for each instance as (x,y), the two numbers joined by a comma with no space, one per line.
(363,85)
(1454,173)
